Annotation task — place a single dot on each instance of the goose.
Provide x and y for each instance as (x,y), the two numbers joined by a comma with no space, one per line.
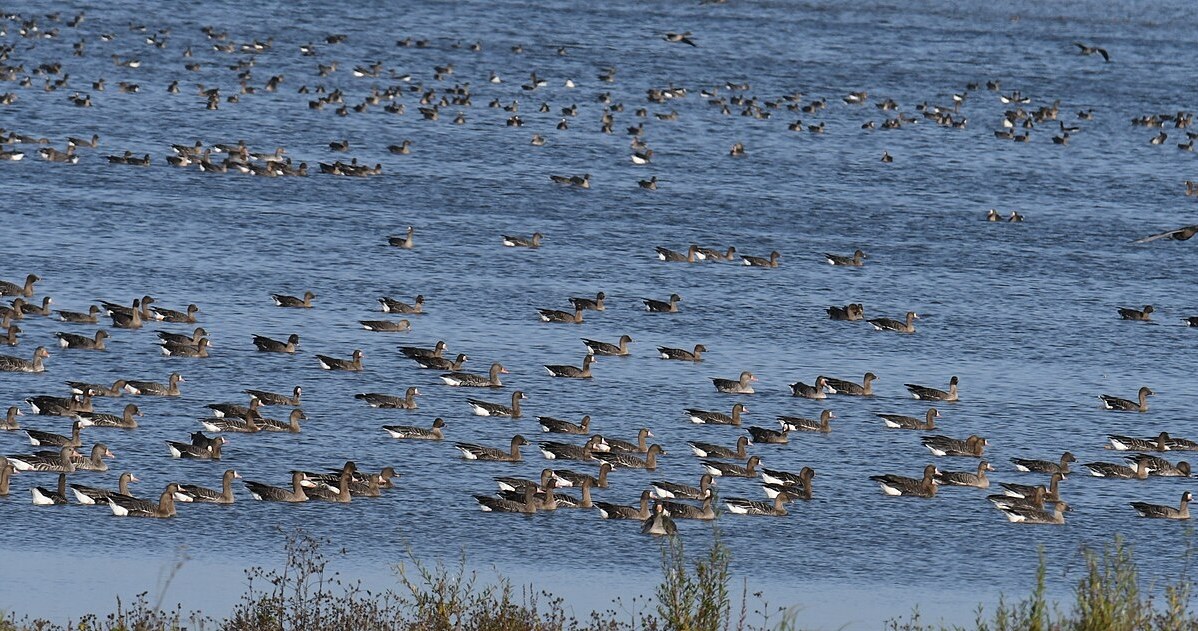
(268,345)
(13,312)
(1028,515)
(925,393)
(767,436)
(93,496)
(1112,470)
(856,260)
(657,306)
(670,256)
(1115,403)
(273,398)
(49,439)
(9,363)
(573,372)
(150,388)
(629,461)
(125,317)
(744,506)
(1033,498)
(194,493)
(413,352)
(709,450)
(623,446)
(1090,50)
(380,400)
(620,349)
(12,289)
(391,305)
(417,433)
(283,300)
(180,317)
(712,254)
(850,312)
(674,490)
(441,363)
(800,389)
(1183,233)
(575,181)
(515,241)
(681,510)
(489,504)
(221,410)
(125,421)
(480,452)
(510,484)
(680,38)
(200,350)
(1025,491)
(94,462)
(945,446)
(590,304)
(732,470)
(659,523)
(553,450)
(386,326)
(46,497)
(59,406)
(140,308)
(563,317)
(840,386)
(557,426)
(405,242)
(470,380)
(91,317)
(550,500)
(566,477)
(1128,443)
(1165,512)
(49,461)
(966,478)
(200,448)
(898,421)
(71,340)
(321,491)
(354,364)
(6,470)
(95,389)
(247,424)
(802,479)
(487,408)
(373,484)
(268,493)
(889,324)
(1045,466)
(898,485)
(682,354)
(180,338)
(608,510)
(9,422)
(1142,315)
(758,261)
(1160,467)
(742,385)
(800,424)
(291,425)
(29,309)
(717,418)
(10,336)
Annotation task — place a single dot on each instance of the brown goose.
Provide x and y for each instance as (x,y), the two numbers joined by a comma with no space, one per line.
(619,349)
(898,421)
(608,510)
(200,448)
(629,461)
(194,493)
(181,338)
(321,491)
(43,496)
(712,254)
(29,309)
(1033,498)
(268,345)
(767,436)
(268,493)
(800,424)
(470,380)
(800,389)
(1025,491)
(1115,403)
(480,452)
(623,446)
(9,422)
(840,386)
(733,470)
(13,289)
(56,462)
(508,484)
(710,450)
(924,393)
(150,388)
(200,350)
(489,504)
(94,496)
(657,306)
(1044,466)
(487,408)
(247,424)
(1161,442)
(140,308)
(94,462)
(1027,515)
(659,523)
(553,450)
(590,304)
(565,317)
(417,433)
(415,351)
(391,305)
(9,363)
(1165,512)
(291,425)
(354,364)
(945,446)
(274,398)
(386,326)
(1112,470)
(91,317)
(889,324)
(683,354)
(50,439)
(1143,315)
(674,490)
(566,477)
(856,260)
(758,261)
(128,318)
(220,410)
(741,385)
(744,506)
(557,426)
(966,478)
(380,400)
(442,363)
(283,300)
(717,418)
(14,312)
(10,336)
(405,242)
(125,421)
(898,485)
(6,470)
(681,510)
(516,241)
(1183,233)
(670,256)
(60,406)
(96,389)
(1160,467)
(780,479)
(179,317)
(572,372)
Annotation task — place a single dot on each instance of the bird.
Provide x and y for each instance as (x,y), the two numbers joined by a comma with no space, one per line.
(150,388)
(659,523)
(682,354)
(1045,466)
(1031,515)
(416,351)
(623,446)
(1114,470)
(9,363)
(268,493)
(572,372)
(405,242)
(390,305)
(470,380)
(925,393)
(733,470)
(889,324)
(590,304)
(490,504)
(71,340)
(273,398)
(284,300)
(186,350)
(194,493)
(741,385)
(743,506)
(268,345)
(1090,50)
(840,386)
(856,260)
(608,510)
(709,450)
(620,349)
(704,417)
(1143,315)
(184,339)
(554,450)
(679,38)
(388,326)
(555,315)
(916,487)
(93,496)
(629,461)
(944,446)
(380,400)
(47,497)
(670,256)
(1158,511)
(487,408)
(966,478)
(519,241)
(25,289)
(758,261)
(850,312)
(354,364)
(1161,442)
(767,436)
(480,452)
(1183,233)
(800,424)
(658,306)
(417,433)
(806,391)
(1140,405)
(169,315)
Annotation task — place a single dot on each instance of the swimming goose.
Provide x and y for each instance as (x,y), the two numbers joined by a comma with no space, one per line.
(6,470)
(380,400)
(681,510)
(1032,497)
(126,317)
(470,380)
(800,389)
(91,317)
(657,306)
(608,510)
(898,421)
(487,408)
(592,304)
(670,256)
(489,504)
(659,523)
(60,406)
(850,312)
(441,363)
(556,315)
(390,305)
(283,300)
(181,338)
(629,461)
(9,363)
(1165,512)
(180,317)
(800,424)
(95,389)
(1127,443)
(888,324)
(386,326)
(925,393)
(1115,403)
(1112,470)
(596,347)
(744,506)
(150,388)
(354,364)
(268,345)
(710,450)
(50,439)
(566,477)
(93,496)
(246,424)
(291,425)
(742,385)
(623,446)
(717,418)
(125,421)
(514,241)
(58,462)
(220,410)
(683,354)
(415,351)
(1183,233)
(200,350)
(945,446)
(553,450)
(480,452)
(417,433)
(140,308)
(10,335)
(1160,467)
(674,490)
(576,181)
(572,372)
(712,254)
(274,398)
(840,386)
(509,484)
(786,478)
(1045,466)
(1028,515)
(405,242)
(558,426)
(71,340)
(200,448)
(1143,315)
(46,497)
(856,260)
(194,493)
(9,422)
(322,491)
(966,478)
(268,493)
(13,289)
(29,309)
(757,261)
(733,470)
(94,462)
(898,485)
(1028,490)
(767,436)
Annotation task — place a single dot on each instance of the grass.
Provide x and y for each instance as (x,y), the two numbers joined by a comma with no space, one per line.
(693,595)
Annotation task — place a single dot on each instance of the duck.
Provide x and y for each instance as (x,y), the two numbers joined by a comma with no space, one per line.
(1113,470)
(800,389)
(757,261)
(1161,442)
(9,363)
(945,446)
(850,312)
(354,364)
(418,433)
(608,510)
(657,306)
(25,289)
(619,349)
(180,338)
(742,385)
(94,496)
(966,478)
(390,401)
(46,497)
(767,436)
(283,300)
(150,388)
(840,386)
(566,477)
(670,256)
(268,493)
(673,490)
(1140,405)
(1143,315)
(480,452)
(733,470)
(623,446)
(573,372)
(49,461)
(91,317)
(200,448)
(200,350)
(386,326)
(557,426)
(71,340)
(469,380)
(266,397)
(659,523)
(680,510)
(744,506)
(888,324)
(1158,511)
(1028,515)
(558,316)
(180,317)
(195,493)
(856,260)
(915,487)
(391,305)
(925,393)
(1045,466)
(50,439)
(291,425)
(553,450)
(519,241)
(717,418)
(710,450)
(487,408)
(800,424)
(1160,467)
(682,354)
(412,352)
(899,421)
(490,504)
(405,242)
(590,304)
(268,345)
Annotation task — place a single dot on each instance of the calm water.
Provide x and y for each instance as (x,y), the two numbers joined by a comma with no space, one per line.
(1024,313)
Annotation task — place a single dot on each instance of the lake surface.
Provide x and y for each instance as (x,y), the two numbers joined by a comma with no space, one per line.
(1024,314)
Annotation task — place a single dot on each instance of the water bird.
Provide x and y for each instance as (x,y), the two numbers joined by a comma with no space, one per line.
(1091,50)
(1158,511)
(1139,405)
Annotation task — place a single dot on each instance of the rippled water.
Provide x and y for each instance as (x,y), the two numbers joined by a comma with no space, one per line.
(1024,314)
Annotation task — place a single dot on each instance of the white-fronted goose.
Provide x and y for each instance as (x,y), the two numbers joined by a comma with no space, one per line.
(405,242)
(97,389)
(380,400)
(442,363)
(30,309)
(1183,233)
(509,484)
(1027,515)
(59,406)
(916,487)
(94,496)
(1033,499)
(199,350)
(767,436)
(856,260)
(91,317)
(373,484)
(840,386)
(1113,470)
(150,388)
(608,510)
(1027,490)
(890,324)
(416,351)
(800,389)
(557,426)
(386,326)
(247,424)
(566,477)
(758,261)
(6,471)
(1160,467)
(268,493)
(742,385)
(733,470)
(200,448)
(140,308)
(481,452)
(517,241)
(572,372)
(195,493)
(1128,443)
(620,349)
(291,425)
(745,506)
(14,312)
(274,398)
(61,461)
(565,317)
(674,490)
(50,439)
(1044,466)
(659,524)
(9,422)
(710,450)
(283,300)
(670,256)
(95,461)
(9,363)
(470,380)
(321,491)
(391,305)
(590,304)
(1143,315)
(945,446)
(126,317)
(71,340)
(713,254)
(681,510)
(925,393)
(1158,511)
(13,289)
(125,421)
(641,445)
(553,450)
(657,306)
(800,424)
(487,408)
(43,496)
(178,317)
(717,418)
(966,478)
(682,354)
(786,478)
(417,433)
(181,338)
(1115,403)
(898,421)
(489,504)
(354,364)
(10,336)
(221,410)
(268,345)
